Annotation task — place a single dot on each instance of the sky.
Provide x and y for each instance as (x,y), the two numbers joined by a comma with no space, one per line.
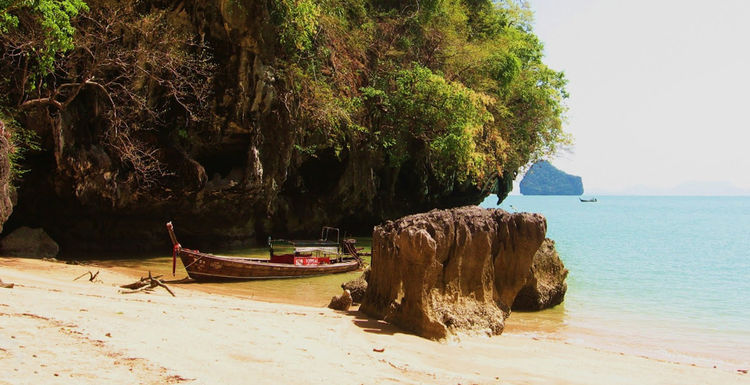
(660,92)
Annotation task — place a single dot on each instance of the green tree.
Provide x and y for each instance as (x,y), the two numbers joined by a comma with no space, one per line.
(463,79)
(297,21)
(443,116)
(51,17)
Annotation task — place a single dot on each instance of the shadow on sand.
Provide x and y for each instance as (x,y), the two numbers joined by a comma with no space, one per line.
(372,325)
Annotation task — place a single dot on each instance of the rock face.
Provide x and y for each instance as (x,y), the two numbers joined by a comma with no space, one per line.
(449,271)
(232,179)
(6,203)
(546,285)
(545,179)
(29,243)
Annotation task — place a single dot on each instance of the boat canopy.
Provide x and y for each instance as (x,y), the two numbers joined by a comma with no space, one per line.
(327,250)
(322,245)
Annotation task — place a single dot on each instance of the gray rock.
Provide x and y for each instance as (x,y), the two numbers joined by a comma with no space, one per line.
(29,243)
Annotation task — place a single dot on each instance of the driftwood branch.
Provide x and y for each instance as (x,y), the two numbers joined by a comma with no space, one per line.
(6,285)
(181,280)
(147,284)
(92,276)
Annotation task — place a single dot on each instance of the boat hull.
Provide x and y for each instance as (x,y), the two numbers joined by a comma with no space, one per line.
(208,267)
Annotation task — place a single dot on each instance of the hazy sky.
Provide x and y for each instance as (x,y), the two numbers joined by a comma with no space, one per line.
(660,89)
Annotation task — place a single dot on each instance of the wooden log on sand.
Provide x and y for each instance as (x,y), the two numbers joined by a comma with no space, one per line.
(145,284)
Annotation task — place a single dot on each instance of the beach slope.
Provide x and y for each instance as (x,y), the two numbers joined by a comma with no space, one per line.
(55,330)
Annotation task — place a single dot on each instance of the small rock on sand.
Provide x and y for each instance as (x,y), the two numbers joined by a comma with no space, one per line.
(341,302)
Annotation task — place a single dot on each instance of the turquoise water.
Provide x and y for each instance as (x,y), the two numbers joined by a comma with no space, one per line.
(661,277)
(665,277)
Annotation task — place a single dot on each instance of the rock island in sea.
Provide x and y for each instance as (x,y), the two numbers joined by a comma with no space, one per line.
(545,179)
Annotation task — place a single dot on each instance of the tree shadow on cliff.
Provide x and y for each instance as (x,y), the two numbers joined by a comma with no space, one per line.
(372,325)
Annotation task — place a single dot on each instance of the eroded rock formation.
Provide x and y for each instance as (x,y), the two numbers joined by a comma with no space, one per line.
(546,285)
(453,270)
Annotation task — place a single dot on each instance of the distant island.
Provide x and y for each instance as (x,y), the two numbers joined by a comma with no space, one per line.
(545,179)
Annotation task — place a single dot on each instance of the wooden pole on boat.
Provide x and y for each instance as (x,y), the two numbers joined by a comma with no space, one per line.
(170,229)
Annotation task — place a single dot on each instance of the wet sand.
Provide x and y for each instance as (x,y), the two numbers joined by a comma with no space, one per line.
(54,330)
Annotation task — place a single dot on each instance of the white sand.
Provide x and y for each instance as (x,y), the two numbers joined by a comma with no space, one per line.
(54,330)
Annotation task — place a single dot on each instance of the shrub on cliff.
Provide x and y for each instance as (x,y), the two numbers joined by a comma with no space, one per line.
(137,72)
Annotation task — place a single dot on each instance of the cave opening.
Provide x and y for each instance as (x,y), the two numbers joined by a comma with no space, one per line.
(322,173)
(223,161)
(37,204)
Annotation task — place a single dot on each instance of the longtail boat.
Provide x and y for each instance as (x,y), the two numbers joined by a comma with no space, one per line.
(299,259)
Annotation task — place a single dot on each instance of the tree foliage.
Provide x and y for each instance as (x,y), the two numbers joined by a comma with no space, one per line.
(459,82)
(443,116)
(50,18)
(297,21)
(457,85)
(139,74)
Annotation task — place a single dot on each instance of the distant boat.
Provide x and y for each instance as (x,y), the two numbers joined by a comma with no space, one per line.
(587,200)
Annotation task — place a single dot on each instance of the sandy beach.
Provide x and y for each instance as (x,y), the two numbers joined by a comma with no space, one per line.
(55,330)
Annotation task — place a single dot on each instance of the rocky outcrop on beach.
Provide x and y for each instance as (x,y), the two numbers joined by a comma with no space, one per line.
(451,271)
(358,286)
(545,287)
(29,243)
(341,302)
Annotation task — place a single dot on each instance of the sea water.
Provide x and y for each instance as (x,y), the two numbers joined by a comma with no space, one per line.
(662,277)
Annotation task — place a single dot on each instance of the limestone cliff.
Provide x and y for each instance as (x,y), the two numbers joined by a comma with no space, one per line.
(451,270)
(228,180)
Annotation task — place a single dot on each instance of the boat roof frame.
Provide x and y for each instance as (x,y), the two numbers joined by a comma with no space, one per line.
(325,232)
